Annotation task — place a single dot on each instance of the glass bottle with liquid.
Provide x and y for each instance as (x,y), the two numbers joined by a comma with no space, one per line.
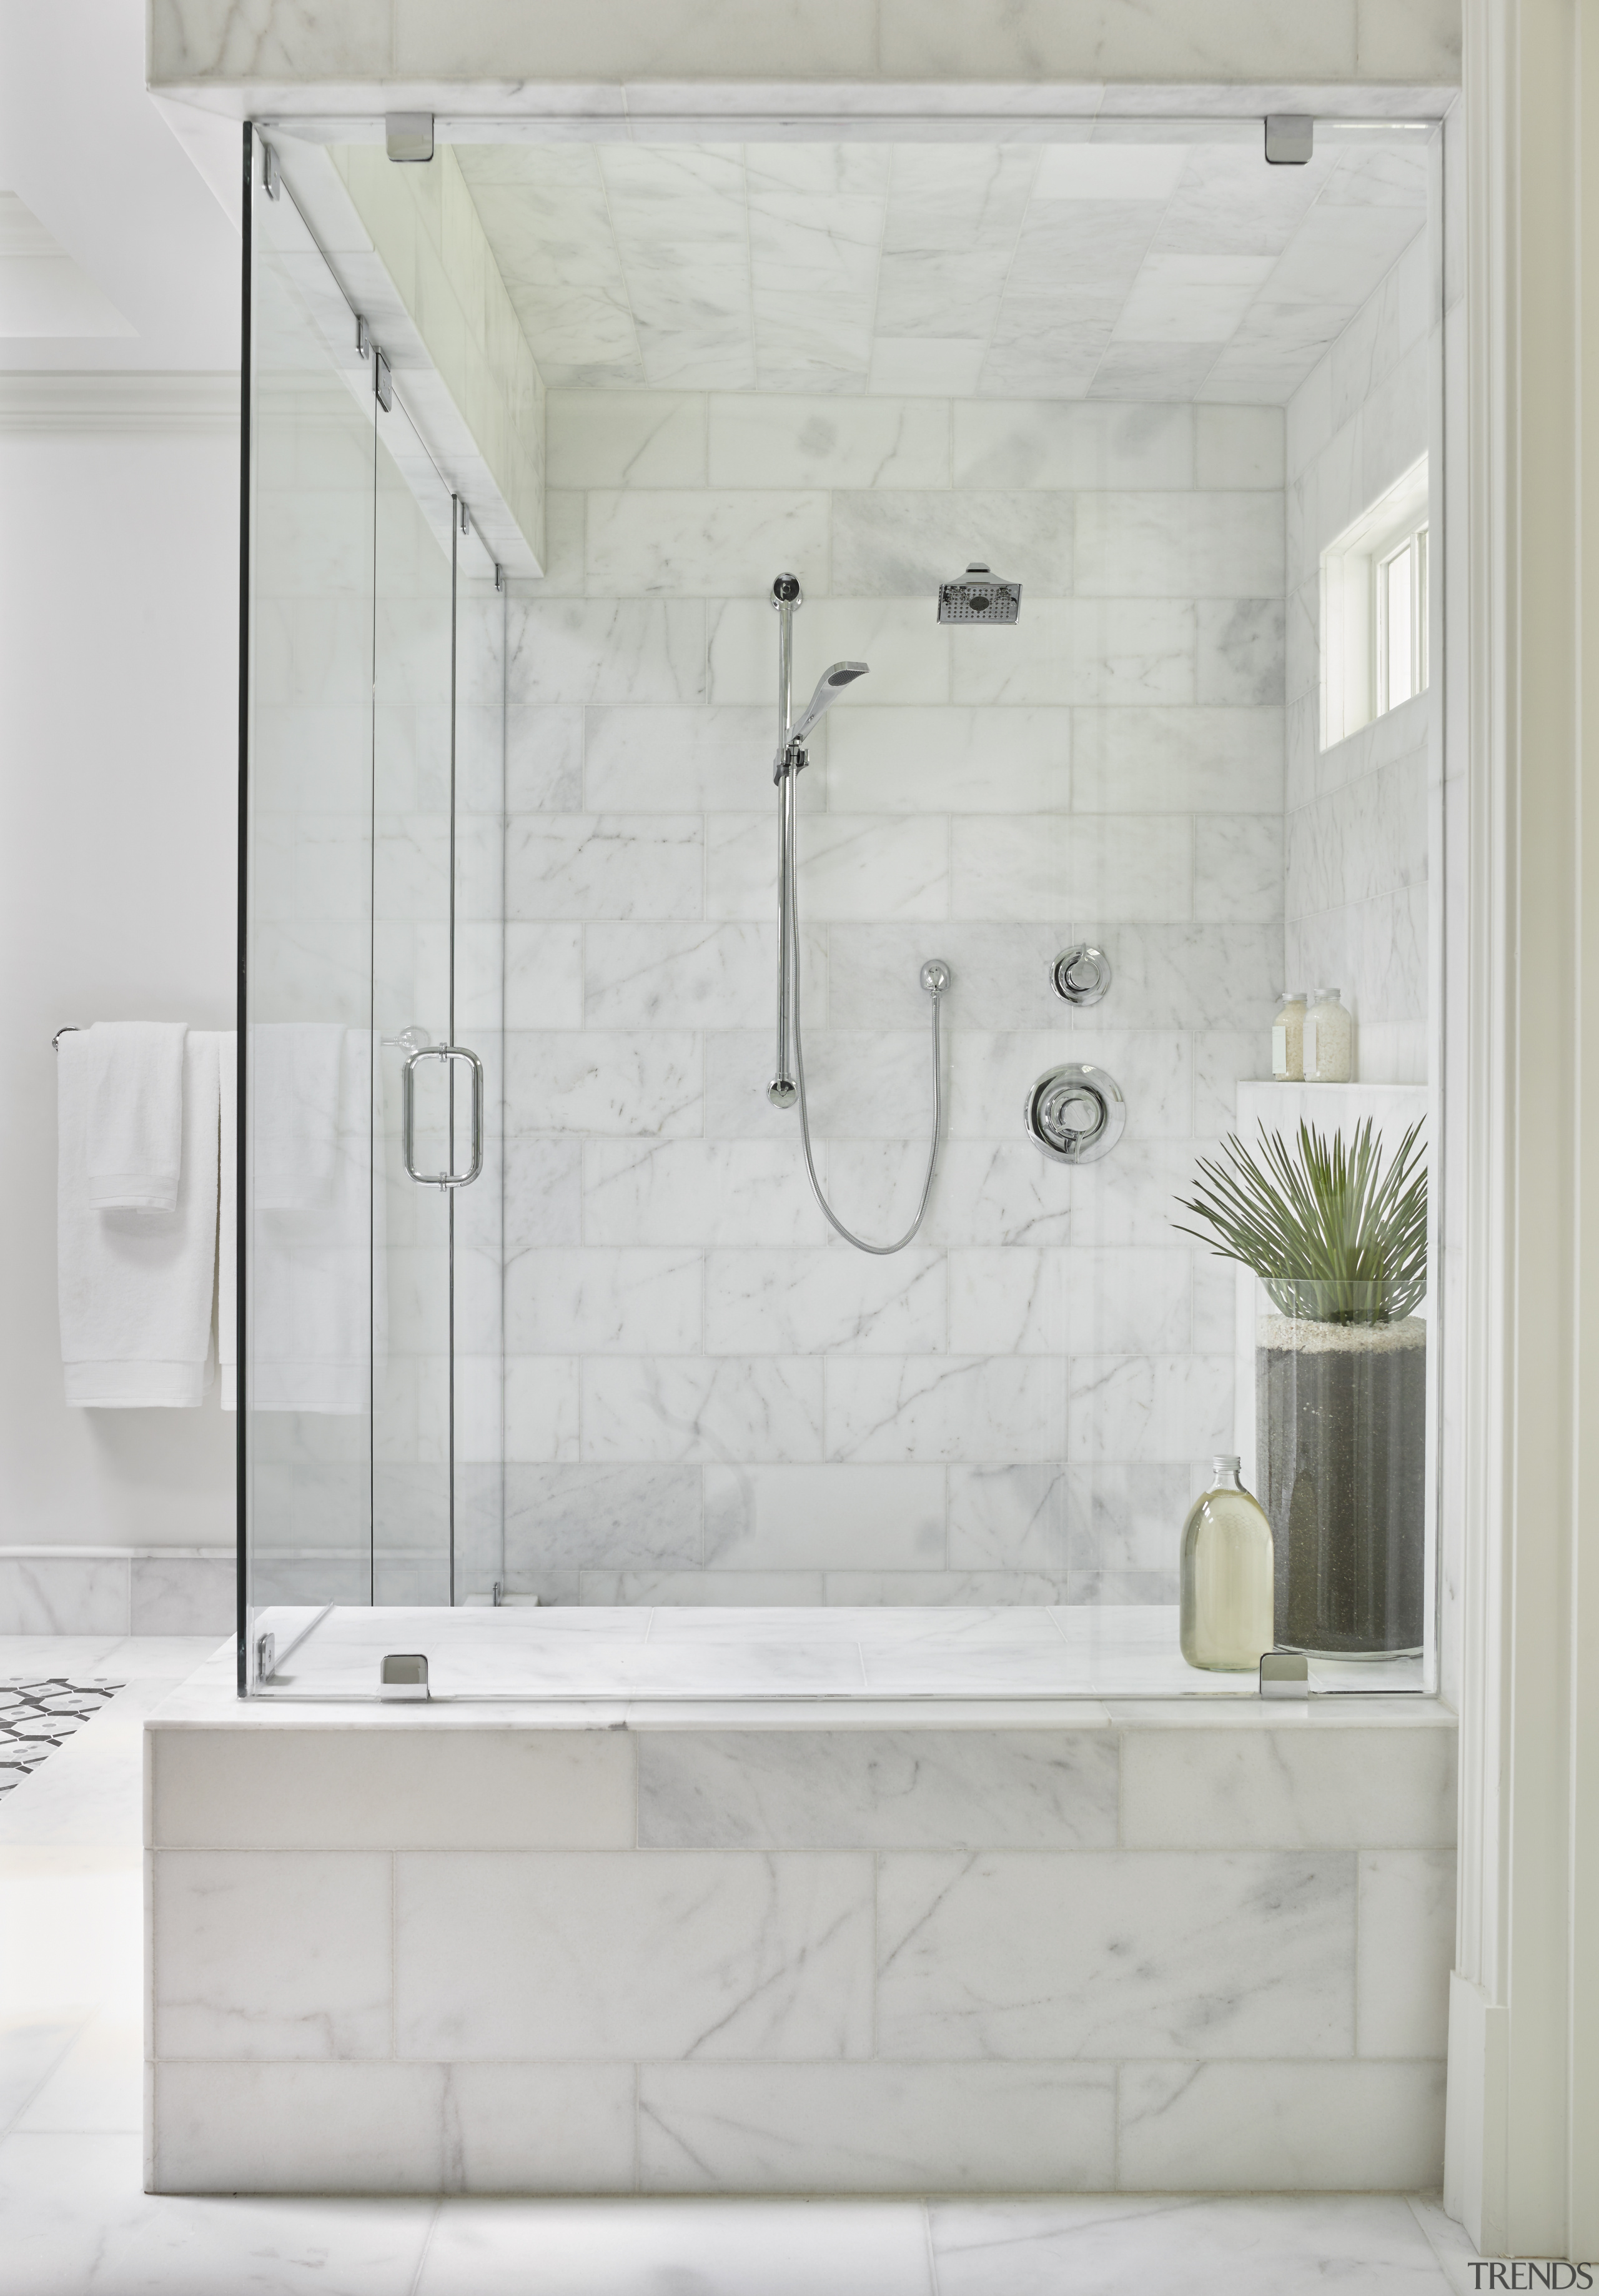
(1227,1577)
(1329,1040)
(1288,1037)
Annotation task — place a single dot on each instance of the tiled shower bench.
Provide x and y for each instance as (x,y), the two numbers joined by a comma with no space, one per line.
(854,1947)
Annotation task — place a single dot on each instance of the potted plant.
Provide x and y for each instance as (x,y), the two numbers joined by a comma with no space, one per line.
(1338,1241)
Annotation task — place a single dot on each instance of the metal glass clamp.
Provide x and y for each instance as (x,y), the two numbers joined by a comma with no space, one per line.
(1076,1114)
(447,1179)
(1284,1674)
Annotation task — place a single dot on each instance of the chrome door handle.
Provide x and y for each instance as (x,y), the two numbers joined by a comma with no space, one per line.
(448,1179)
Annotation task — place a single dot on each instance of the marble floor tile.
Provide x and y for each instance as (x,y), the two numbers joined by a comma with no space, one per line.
(1246,2247)
(670,2248)
(78,2224)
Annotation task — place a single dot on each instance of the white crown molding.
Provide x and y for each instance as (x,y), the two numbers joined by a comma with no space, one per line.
(114,401)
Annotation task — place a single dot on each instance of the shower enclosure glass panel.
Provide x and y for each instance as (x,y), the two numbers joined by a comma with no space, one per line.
(372,943)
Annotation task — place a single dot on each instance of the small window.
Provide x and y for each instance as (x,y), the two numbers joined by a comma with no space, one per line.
(1373,610)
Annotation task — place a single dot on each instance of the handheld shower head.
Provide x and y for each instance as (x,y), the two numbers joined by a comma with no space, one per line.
(829,686)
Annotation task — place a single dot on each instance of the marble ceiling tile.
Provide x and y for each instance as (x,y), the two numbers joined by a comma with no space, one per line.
(861,169)
(1190,299)
(680,214)
(1111,171)
(932,366)
(956,293)
(1380,175)
(1158,372)
(957,198)
(1339,254)
(1230,203)
(1097,244)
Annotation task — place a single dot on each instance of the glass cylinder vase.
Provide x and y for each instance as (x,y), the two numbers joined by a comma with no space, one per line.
(1341,1429)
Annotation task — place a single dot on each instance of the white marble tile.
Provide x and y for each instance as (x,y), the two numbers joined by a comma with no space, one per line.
(562,1516)
(626,438)
(182,1595)
(63,1595)
(717,2249)
(535,2129)
(973,1954)
(703,543)
(1185,976)
(1406,1951)
(543,976)
(606,650)
(610,1082)
(941,366)
(671,976)
(1251,2246)
(1147,1407)
(1237,868)
(1241,654)
(878,1789)
(849,866)
(1007,1518)
(1238,447)
(603,1302)
(96,2086)
(557,1956)
(1000,975)
(290,1790)
(1125,1526)
(259,1956)
(814,279)
(993,1407)
(1126,867)
(830,1517)
(987,1192)
(873,2129)
(948,761)
(733,1194)
(680,760)
(1017,1301)
(693,1409)
(1044,443)
(760,1302)
(609,866)
(774,441)
(1081,649)
(1286,2128)
(77,2217)
(542,1180)
(365,2129)
(889,544)
(1178,546)
(541,1412)
(907,648)
(1310,1791)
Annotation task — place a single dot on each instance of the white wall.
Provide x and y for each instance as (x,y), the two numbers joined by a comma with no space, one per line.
(118,762)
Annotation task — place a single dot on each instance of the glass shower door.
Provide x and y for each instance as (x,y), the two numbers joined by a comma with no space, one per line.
(420,1116)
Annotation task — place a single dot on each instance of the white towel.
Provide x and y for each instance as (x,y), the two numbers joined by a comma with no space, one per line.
(295,1111)
(137,1287)
(134,1113)
(315,1296)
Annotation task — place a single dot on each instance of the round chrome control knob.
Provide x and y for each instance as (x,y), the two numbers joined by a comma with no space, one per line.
(1081,974)
(1075,1114)
(782,1092)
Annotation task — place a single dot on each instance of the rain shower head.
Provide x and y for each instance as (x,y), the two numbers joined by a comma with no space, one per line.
(977,597)
(829,686)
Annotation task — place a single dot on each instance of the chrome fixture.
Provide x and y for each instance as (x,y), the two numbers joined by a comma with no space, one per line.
(1081,974)
(271,183)
(977,597)
(409,138)
(1284,1674)
(70,1030)
(266,1657)
(1075,1114)
(404,1674)
(788,1083)
(447,1053)
(1290,139)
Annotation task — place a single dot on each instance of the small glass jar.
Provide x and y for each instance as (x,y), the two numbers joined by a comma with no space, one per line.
(1228,1578)
(1288,1037)
(1329,1040)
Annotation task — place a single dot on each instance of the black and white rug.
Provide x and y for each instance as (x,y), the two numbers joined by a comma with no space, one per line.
(35,1717)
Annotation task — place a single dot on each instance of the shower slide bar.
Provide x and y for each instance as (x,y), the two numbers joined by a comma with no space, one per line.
(787,1088)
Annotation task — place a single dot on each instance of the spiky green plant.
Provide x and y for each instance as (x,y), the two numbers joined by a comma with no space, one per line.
(1330,1233)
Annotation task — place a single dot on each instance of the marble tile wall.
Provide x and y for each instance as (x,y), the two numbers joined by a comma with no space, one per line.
(1119,1949)
(1358,829)
(709,1397)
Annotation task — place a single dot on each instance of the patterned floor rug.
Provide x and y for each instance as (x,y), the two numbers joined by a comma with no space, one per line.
(38,1716)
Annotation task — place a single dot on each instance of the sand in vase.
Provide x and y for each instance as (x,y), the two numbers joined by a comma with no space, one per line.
(1342,1413)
